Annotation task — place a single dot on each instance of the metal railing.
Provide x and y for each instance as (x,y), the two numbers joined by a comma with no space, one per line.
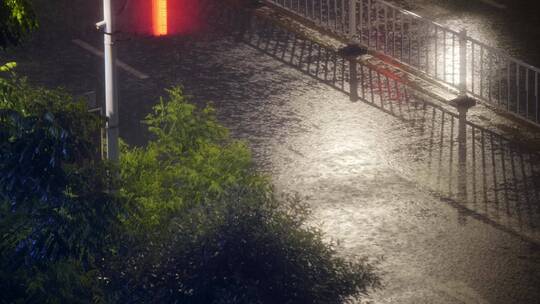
(499,79)
(441,53)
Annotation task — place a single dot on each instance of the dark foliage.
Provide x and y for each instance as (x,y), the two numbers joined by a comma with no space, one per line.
(16,20)
(222,236)
(190,221)
(57,218)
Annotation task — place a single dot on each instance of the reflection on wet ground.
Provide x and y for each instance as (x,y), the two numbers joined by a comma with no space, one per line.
(381,174)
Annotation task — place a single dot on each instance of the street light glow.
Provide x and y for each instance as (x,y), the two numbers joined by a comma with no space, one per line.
(159,17)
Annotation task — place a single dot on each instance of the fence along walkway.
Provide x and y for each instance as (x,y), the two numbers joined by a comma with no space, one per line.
(443,54)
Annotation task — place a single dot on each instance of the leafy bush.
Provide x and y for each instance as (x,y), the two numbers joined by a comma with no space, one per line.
(190,220)
(213,230)
(57,217)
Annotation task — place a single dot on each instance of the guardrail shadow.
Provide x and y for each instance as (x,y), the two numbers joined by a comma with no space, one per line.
(502,178)
(490,178)
(325,64)
(310,58)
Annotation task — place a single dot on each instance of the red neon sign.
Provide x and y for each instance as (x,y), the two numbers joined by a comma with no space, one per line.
(159,17)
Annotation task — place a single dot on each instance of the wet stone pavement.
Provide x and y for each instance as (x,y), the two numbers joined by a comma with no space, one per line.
(380,174)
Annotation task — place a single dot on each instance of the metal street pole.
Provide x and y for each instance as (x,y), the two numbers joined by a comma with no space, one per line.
(111,96)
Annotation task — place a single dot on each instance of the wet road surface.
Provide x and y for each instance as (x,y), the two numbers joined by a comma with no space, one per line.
(365,169)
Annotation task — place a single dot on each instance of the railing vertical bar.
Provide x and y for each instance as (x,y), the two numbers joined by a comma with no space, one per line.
(361,19)
(325,13)
(393,32)
(436,52)
(313,10)
(418,44)
(385,20)
(481,93)
(453,59)
(472,67)
(462,62)
(517,87)
(444,55)
(342,11)
(501,81)
(328,12)
(490,73)
(527,93)
(369,23)
(536,93)
(508,82)
(409,34)
(402,36)
(336,15)
(321,16)
(426,42)
(376,24)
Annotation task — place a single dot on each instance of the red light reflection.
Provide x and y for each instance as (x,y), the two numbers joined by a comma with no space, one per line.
(159,17)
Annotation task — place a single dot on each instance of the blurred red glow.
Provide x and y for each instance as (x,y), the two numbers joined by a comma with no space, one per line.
(159,17)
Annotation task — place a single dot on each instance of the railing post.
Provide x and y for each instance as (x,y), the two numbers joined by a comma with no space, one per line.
(244,14)
(352,53)
(352,19)
(463,104)
(463,62)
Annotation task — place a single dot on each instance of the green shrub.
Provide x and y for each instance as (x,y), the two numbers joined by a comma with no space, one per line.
(213,230)
(190,220)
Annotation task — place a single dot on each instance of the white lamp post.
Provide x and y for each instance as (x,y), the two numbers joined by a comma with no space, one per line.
(111,96)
